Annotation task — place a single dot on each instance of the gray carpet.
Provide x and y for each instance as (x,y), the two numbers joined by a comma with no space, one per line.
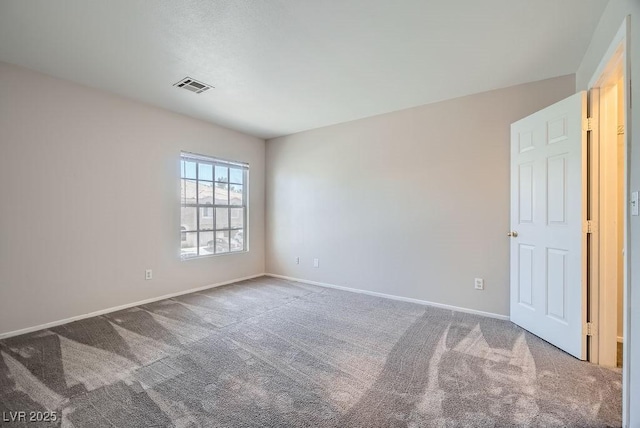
(274,353)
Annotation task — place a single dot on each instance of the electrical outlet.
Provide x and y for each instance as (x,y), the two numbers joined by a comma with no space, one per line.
(148,274)
(479,284)
(297,260)
(316,263)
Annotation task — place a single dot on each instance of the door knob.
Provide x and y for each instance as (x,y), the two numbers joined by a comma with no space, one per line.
(513,234)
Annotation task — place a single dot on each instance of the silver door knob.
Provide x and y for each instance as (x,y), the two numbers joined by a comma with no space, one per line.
(513,234)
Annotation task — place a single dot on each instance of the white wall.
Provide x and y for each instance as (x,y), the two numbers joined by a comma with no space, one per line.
(610,22)
(413,203)
(89,198)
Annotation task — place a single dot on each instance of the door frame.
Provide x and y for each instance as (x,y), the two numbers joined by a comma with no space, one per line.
(604,242)
(600,304)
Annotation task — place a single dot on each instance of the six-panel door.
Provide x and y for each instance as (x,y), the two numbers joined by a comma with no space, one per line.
(547,212)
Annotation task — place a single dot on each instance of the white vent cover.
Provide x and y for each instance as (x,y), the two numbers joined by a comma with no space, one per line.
(193,85)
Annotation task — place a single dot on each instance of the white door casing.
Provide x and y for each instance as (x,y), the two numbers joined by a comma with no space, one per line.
(548,211)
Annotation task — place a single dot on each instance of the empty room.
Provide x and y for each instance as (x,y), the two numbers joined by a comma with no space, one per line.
(293,213)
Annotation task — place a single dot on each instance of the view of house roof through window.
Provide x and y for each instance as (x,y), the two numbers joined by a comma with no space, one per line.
(213,198)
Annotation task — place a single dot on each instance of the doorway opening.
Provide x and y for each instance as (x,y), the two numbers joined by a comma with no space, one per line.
(607,202)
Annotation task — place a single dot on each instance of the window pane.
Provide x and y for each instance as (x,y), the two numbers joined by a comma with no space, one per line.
(222,194)
(222,174)
(206,243)
(189,246)
(188,191)
(235,194)
(237,240)
(237,218)
(205,172)
(222,241)
(206,218)
(188,218)
(222,218)
(235,175)
(189,170)
(205,193)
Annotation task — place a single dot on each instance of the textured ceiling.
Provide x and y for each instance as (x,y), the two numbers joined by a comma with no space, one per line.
(283,66)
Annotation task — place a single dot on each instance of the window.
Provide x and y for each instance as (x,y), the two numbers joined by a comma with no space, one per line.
(213,200)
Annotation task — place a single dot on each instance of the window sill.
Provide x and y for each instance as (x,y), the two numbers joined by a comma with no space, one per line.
(206,256)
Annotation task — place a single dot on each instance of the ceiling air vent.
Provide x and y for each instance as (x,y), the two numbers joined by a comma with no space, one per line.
(193,85)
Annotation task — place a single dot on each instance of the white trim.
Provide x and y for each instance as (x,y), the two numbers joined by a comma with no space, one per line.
(626,327)
(606,209)
(617,40)
(121,307)
(393,297)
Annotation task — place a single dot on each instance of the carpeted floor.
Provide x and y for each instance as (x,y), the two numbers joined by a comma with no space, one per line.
(274,353)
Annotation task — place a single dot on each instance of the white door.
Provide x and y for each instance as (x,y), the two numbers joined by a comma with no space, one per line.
(548,211)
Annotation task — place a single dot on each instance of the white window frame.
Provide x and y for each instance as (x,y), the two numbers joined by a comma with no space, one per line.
(212,208)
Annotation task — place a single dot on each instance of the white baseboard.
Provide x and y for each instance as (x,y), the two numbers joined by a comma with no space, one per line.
(121,307)
(391,296)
